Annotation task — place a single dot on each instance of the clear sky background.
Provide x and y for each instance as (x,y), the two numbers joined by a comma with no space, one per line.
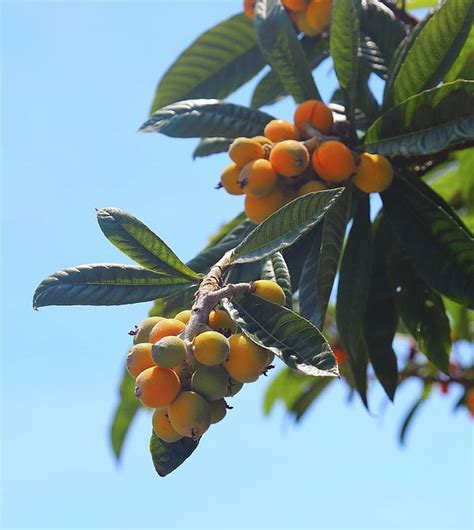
(78,79)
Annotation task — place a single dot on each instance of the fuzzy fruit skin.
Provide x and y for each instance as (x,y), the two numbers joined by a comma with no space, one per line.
(210,381)
(230,180)
(243,150)
(310,187)
(169,352)
(234,387)
(184,316)
(247,360)
(279,130)
(289,158)
(333,161)
(220,320)
(259,208)
(139,358)
(295,5)
(166,328)
(314,113)
(269,291)
(218,410)
(249,8)
(303,25)
(157,387)
(258,178)
(374,174)
(190,414)
(262,140)
(210,348)
(270,358)
(163,428)
(144,329)
(319,14)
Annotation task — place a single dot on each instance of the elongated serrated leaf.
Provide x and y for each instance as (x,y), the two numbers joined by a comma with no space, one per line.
(344,46)
(211,146)
(442,250)
(354,280)
(124,414)
(276,270)
(286,387)
(309,395)
(294,339)
(104,284)
(398,58)
(422,311)
(270,89)
(203,118)
(412,412)
(380,24)
(426,123)
(167,457)
(282,50)
(142,245)
(216,64)
(435,49)
(381,318)
(286,226)
(322,261)
(463,66)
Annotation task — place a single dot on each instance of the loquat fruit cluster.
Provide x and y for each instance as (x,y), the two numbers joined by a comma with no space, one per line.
(311,17)
(273,169)
(189,396)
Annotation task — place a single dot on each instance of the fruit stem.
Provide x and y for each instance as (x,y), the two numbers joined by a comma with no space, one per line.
(316,139)
(210,293)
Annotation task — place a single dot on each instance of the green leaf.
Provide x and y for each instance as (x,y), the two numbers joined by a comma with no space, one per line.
(276,270)
(286,226)
(422,311)
(270,89)
(286,386)
(381,318)
(426,123)
(104,284)
(142,245)
(124,414)
(292,338)
(167,457)
(216,64)
(442,250)
(322,261)
(412,412)
(344,46)
(283,51)
(381,25)
(420,4)
(203,118)
(352,293)
(463,66)
(297,392)
(435,49)
(211,146)
(462,321)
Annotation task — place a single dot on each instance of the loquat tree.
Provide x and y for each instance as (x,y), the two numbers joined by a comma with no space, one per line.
(262,287)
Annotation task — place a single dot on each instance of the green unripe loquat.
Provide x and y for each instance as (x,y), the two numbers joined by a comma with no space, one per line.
(210,348)
(218,410)
(233,387)
(169,352)
(163,428)
(144,329)
(190,414)
(210,381)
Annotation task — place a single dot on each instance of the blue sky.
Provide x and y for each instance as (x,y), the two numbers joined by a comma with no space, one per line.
(78,78)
